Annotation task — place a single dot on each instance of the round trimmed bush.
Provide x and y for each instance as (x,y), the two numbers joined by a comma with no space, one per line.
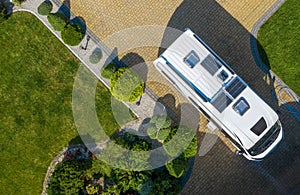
(163,134)
(126,86)
(152,131)
(96,56)
(57,20)
(45,8)
(161,121)
(108,70)
(72,34)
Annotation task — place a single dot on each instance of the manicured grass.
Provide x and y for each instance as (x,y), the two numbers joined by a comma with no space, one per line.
(37,74)
(280,38)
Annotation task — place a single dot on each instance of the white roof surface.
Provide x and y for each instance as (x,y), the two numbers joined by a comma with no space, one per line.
(198,66)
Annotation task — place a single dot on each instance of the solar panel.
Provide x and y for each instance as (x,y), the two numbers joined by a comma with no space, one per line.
(221,101)
(235,87)
(210,64)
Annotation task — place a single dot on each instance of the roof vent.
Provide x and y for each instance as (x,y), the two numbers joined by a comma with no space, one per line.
(191,59)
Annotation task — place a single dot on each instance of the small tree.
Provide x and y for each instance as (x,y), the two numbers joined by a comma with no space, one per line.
(126,86)
(72,34)
(45,8)
(57,20)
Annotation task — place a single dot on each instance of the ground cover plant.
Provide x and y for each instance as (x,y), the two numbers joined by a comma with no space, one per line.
(37,74)
(279,37)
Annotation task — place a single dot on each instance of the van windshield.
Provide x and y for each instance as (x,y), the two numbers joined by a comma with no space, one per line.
(266,140)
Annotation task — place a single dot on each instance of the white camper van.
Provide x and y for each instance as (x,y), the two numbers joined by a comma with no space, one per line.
(221,95)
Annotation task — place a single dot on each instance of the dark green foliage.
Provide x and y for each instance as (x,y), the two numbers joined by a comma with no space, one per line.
(191,150)
(126,86)
(161,121)
(45,8)
(177,167)
(96,56)
(57,20)
(108,70)
(72,34)
(164,183)
(3,12)
(130,180)
(163,134)
(67,177)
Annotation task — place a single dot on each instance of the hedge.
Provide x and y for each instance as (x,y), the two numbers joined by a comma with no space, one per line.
(126,86)
(57,20)
(72,34)
(45,8)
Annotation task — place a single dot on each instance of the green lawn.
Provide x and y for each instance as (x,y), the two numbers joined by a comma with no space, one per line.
(37,74)
(280,38)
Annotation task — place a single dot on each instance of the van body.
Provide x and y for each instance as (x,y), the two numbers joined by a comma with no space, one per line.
(221,95)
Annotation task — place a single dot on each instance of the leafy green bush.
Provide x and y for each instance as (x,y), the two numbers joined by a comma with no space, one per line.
(152,131)
(163,134)
(45,8)
(177,167)
(57,20)
(18,2)
(191,150)
(161,121)
(72,34)
(178,140)
(108,70)
(126,86)
(96,56)
(66,178)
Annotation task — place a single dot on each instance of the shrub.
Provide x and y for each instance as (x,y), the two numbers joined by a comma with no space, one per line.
(177,167)
(126,86)
(191,150)
(161,121)
(57,20)
(108,70)
(163,134)
(72,34)
(45,8)
(177,144)
(96,56)
(152,131)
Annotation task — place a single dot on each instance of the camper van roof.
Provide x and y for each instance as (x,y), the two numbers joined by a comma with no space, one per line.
(230,99)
